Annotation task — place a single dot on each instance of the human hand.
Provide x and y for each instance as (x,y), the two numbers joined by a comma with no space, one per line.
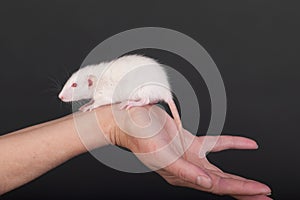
(162,152)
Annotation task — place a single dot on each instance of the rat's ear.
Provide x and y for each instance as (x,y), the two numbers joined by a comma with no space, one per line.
(91,80)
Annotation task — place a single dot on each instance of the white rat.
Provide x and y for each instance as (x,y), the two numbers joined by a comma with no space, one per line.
(132,80)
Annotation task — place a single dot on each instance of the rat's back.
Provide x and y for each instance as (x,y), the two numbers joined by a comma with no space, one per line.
(135,77)
(124,65)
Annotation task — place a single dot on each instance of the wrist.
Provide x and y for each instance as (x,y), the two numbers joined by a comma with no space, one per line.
(114,124)
(110,127)
(126,128)
(94,128)
(122,127)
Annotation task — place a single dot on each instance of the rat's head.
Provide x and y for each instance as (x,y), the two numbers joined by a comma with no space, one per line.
(78,87)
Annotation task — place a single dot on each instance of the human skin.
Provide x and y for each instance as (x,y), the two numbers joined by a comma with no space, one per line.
(40,148)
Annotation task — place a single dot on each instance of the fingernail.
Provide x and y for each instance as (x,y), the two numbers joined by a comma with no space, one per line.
(266,191)
(204,181)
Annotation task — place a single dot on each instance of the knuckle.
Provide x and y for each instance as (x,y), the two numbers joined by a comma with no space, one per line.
(214,188)
(181,174)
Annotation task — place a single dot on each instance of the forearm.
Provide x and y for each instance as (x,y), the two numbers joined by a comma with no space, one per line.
(29,153)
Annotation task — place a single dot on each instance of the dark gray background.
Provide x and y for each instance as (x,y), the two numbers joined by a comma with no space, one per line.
(254,43)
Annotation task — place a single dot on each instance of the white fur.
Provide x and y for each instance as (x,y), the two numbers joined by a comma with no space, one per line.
(131,77)
(133,80)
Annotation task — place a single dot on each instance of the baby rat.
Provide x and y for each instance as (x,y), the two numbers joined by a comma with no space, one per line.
(132,80)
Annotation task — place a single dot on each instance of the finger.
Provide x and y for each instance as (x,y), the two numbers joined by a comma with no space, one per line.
(245,179)
(189,172)
(254,197)
(239,187)
(227,175)
(233,142)
(239,181)
(180,182)
(237,177)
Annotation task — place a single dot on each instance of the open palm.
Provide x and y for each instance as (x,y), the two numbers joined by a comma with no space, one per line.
(162,152)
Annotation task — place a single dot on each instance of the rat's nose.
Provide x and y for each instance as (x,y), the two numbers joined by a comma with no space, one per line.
(61,97)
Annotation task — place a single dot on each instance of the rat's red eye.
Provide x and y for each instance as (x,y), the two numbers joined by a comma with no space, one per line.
(74,85)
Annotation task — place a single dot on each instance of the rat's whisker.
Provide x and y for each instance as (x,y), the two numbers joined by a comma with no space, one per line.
(67,73)
(56,82)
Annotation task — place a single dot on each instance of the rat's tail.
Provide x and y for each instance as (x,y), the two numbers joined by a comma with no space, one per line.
(178,123)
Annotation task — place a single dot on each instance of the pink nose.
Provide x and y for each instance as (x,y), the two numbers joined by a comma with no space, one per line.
(61,97)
